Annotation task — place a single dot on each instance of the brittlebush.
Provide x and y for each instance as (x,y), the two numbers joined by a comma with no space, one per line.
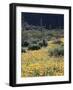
(39,63)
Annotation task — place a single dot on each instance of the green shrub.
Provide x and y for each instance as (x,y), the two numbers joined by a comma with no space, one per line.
(43,43)
(25,44)
(23,50)
(50,71)
(57,41)
(62,44)
(36,73)
(34,47)
(58,51)
(34,42)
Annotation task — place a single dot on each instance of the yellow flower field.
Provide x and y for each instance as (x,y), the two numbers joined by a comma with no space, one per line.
(39,63)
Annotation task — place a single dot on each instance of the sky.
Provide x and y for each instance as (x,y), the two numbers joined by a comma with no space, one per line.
(47,19)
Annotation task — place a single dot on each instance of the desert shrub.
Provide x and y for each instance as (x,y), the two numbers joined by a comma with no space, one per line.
(49,38)
(34,47)
(50,72)
(57,41)
(55,33)
(62,44)
(36,34)
(41,43)
(23,50)
(25,44)
(58,51)
(34,41)
(36,73)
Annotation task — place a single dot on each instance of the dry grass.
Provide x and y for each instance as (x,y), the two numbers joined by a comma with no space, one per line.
(39,63)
